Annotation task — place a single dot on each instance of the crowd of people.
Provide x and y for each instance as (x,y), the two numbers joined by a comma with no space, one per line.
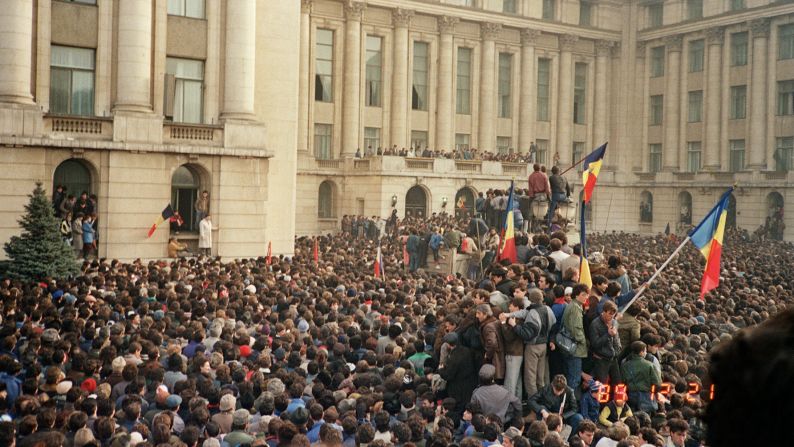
(289,351)
(464,153)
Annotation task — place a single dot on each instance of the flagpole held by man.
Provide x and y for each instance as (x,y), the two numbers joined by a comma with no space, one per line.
(592,167)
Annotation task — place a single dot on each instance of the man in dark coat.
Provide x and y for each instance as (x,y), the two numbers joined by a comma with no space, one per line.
(460,373)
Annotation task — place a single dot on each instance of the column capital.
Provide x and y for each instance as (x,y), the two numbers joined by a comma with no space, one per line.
(641,44)
(490,31)
(446,24)
(353,10)
(716,35)
(759,27)
(529,36)
(603,47)
(402,17)
(306,6)
(674,42)
(568,41)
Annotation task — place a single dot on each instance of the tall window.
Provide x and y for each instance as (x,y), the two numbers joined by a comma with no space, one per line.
(739,49)
(509,6)
(71,81)
(186,8)
(187,89)
(419,140)
(503,145)
(694,9)
(548,9)
(374,71)
(322,141)
(325,202)
(656,14)
(693,156)
(543,150)
(185,185)
(784,154)
(786,41)
(585,12)
(785,97)
(324,66)
(657,109)
(505,84)
(463,98)
(655,158)
(419,97)
(578,151)
(695,106)
(737,5)
(462,141)
(737,155)
(372,138)
(579,93)
(657,62)
(544,82)
(738,102)
(696,55)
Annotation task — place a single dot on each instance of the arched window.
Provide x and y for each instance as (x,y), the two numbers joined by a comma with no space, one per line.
(685,208)
(730,221)
(416,202)
(185,185)
(464,203)
(74,176)
(774,223)
(325,202)
(646,207)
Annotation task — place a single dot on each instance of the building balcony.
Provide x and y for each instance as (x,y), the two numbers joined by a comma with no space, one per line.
(78,127)
(192,134)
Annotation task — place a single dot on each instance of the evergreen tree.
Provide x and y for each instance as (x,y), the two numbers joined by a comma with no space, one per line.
(39,252)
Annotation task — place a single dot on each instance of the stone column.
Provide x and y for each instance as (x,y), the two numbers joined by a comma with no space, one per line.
(134,56)
(239,73)
(303,79)
(640,109)
(527,105)
(445,122)
(351,103)
(103,76)
(712,148)
(756,147)
(16,49)
(672,103)
(43,54)
(399,98)
(565,100)
(487,123)
(603,50)
(212,88)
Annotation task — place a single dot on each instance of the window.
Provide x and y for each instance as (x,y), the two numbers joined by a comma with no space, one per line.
(186,8)
(655,158)
(784,154)
(646,207)
(324,66)
(371,139)
(655,14)
(657,62)
(463,98)
(418,139)
(579,93)
(503,145)
(325,202)
(509,6)
(694,9)
(693,156)
(187,90)
(548,9)
(657,110)
(585,12)
(543,149)
(695,106)
(419,97)
(738,102)
(72,81)
(185,186)
(578,152)
(544,81)
(322,142)
(739,49)
(696,55)
(786,41)
(462,141)
(737,155)
(505,86)
(737,5)
(785,97)
(374,71)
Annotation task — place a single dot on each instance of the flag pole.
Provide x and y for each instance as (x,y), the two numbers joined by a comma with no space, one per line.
(656,274)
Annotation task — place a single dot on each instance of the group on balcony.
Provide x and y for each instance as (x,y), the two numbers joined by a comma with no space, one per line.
(464,153)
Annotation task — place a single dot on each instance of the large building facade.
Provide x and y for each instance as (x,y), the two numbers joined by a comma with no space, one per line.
(263,103)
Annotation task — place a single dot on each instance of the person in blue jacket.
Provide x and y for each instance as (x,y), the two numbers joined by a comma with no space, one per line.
(88,236)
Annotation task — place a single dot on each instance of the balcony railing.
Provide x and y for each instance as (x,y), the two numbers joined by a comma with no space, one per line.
(80,127)
(468,166)
(183,133)
(361,164)
(517,169)
(419,164)
(329,164)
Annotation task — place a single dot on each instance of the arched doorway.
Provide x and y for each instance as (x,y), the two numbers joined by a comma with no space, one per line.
(646,207)
(416,202)
(325,200)
(464,203)
(185,186)
(74,176)
(774,223)
(730,221)
(685,208)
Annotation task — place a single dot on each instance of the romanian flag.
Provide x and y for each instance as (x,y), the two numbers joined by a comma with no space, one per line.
(584,266)
(167,213)
(316,251)
(707,237)
(509,245)
(379,264)
(584,273)
(269,257)
(592,166)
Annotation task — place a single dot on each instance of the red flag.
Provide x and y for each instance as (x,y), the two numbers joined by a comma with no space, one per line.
(269,258)
(378,264)
(316,251)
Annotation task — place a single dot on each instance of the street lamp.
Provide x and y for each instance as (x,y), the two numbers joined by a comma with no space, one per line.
(394,200)
(444,202)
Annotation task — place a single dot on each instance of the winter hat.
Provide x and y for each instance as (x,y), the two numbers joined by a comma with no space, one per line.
(594,386)
(245,351)
(303,326)
(118,364)
(88,385)
(228,402)
(50,336)
(63,387)
(240,417)
(173,401)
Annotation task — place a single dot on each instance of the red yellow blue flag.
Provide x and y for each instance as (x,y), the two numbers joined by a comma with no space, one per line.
(592,166)
(167,213)
(707,237)
(509,245)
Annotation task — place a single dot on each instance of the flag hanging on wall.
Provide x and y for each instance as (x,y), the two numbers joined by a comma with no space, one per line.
(167,213)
